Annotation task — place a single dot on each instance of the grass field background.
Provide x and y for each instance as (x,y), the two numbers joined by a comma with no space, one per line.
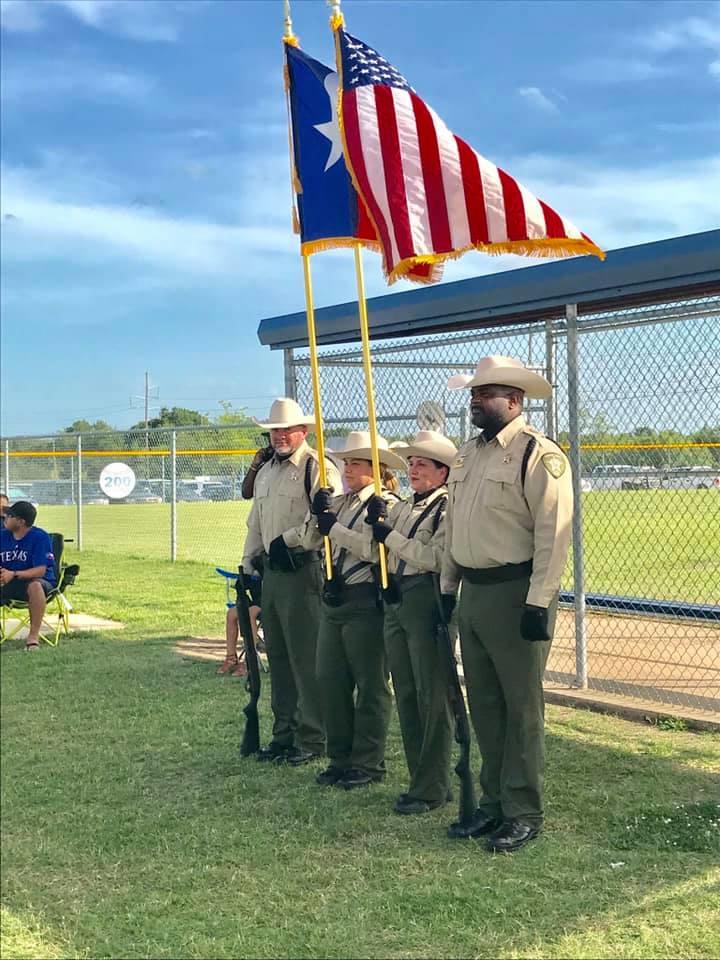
(132,829)
(650,543)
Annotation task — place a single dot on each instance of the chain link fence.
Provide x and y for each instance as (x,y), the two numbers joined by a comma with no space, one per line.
(157,494)
(641,610)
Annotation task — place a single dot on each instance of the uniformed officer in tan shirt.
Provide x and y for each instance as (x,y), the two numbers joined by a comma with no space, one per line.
(284,487)
(351,659)
(508,530)
(414,536)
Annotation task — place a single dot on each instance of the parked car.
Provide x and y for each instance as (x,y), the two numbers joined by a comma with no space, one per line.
(17,493)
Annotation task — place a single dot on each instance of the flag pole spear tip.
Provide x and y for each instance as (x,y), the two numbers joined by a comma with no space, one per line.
(288,36)
(336,18)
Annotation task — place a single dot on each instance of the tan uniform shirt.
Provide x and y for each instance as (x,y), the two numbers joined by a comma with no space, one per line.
(280,502)
(491,520)
(423,553)
(357,542)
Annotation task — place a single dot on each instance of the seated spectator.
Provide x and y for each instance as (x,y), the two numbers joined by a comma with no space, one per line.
(4,504)
(233,663)
(27,565)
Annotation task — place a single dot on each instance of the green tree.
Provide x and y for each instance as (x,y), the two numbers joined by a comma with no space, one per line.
(234,416)
(85,426)
(709,434)
(174,417)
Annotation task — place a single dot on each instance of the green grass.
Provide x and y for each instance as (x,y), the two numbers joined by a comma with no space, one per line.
(655,543)
(132,829)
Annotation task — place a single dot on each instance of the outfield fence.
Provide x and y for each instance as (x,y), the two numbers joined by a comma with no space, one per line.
(636,406)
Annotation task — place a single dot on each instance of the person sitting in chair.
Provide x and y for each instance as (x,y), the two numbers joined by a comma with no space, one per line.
(27,565)
(234,660)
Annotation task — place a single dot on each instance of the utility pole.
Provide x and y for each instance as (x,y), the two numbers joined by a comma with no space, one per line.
(146,397)
(147,400)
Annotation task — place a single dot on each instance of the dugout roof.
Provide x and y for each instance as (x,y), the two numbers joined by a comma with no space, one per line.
(679,268)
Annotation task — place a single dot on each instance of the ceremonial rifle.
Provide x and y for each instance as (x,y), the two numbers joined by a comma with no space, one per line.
(251,735)
(468,801)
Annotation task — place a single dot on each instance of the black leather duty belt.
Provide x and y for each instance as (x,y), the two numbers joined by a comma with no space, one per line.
(502,574)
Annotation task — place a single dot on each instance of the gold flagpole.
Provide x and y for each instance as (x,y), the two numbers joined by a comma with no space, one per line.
(289,39)
(370,392)
(336,21)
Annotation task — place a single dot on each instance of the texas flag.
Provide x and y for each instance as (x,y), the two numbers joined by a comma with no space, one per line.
(330,212)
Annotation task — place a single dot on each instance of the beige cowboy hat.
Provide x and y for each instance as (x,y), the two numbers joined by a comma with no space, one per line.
(430,444)
(505,371)
(357,447)
(332,445)
(285,412)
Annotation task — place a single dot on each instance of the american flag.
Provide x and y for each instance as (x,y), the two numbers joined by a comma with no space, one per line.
(430,195)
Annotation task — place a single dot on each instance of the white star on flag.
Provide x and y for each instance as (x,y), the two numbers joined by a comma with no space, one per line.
(331,129)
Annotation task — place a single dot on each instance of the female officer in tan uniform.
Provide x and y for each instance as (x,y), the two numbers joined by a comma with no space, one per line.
(414,536)
(351,663)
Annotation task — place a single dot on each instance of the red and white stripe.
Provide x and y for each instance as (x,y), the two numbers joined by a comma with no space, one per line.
(427,191)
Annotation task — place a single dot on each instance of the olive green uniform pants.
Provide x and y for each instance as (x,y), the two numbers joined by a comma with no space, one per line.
(420,680)
(353,677)
(503,677)
(290,617)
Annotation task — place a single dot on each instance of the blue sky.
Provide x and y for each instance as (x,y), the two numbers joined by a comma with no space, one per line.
(145,193)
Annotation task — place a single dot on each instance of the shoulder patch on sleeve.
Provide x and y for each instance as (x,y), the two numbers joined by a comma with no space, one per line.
(554,463)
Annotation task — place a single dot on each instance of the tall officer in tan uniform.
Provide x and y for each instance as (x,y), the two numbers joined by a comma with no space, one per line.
(352,664)
(414,536)
(284,488)
(508,530)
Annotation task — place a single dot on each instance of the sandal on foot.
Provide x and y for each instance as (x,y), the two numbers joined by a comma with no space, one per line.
(227,666)
(32,647)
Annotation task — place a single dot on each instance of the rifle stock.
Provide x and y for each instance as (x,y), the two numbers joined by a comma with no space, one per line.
(251,735)
(468,801)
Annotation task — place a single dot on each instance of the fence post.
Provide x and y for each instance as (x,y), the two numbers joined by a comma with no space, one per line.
(463,424)
(289,369)
(173,497)
(7,468)
(79,532)
(576,464)
(550,425)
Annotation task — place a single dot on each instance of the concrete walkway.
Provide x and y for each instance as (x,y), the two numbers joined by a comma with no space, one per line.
(79,623)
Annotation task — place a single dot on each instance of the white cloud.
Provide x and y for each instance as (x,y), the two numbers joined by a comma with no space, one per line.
(146,20)
(46,225)
(688,32)
(618,206)
(77,220)
(19,16)
(609,71)
(47,80)
(537,98)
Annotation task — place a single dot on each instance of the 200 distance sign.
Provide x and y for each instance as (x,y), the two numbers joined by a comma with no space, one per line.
(117,480)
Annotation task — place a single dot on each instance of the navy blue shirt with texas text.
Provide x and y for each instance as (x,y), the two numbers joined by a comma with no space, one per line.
(33,550)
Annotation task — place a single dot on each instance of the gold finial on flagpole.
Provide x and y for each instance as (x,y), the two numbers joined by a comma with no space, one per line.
(289,37)
(336,18)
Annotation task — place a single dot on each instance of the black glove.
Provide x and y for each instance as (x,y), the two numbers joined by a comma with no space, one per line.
(280,556)
(391,593)
(325,521)
(375,509)
(534,624)
(381,531)
(448,601)
(253,588)
(321,501)
(262,456)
